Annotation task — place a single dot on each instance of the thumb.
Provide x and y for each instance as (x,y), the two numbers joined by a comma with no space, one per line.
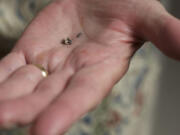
(163,30)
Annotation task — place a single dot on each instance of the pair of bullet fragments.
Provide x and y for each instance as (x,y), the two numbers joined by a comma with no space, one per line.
(68,41)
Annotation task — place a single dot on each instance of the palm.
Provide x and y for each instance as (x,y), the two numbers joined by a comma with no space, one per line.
(81,74)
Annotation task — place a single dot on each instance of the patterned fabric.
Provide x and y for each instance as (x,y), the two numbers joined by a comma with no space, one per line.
(120,113)
(16,14)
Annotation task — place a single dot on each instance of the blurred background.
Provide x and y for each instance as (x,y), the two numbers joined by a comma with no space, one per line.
(158,81)
(167,108)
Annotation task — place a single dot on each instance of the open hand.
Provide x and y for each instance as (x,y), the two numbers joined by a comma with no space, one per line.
(105,34)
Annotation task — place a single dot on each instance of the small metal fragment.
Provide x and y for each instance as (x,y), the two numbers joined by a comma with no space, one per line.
(67,41)
(79,34)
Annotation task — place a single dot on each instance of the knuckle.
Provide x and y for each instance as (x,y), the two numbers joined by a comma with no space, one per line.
(29,72)
(29,69)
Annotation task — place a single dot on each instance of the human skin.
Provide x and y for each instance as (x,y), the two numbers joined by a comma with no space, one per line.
(81,74)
